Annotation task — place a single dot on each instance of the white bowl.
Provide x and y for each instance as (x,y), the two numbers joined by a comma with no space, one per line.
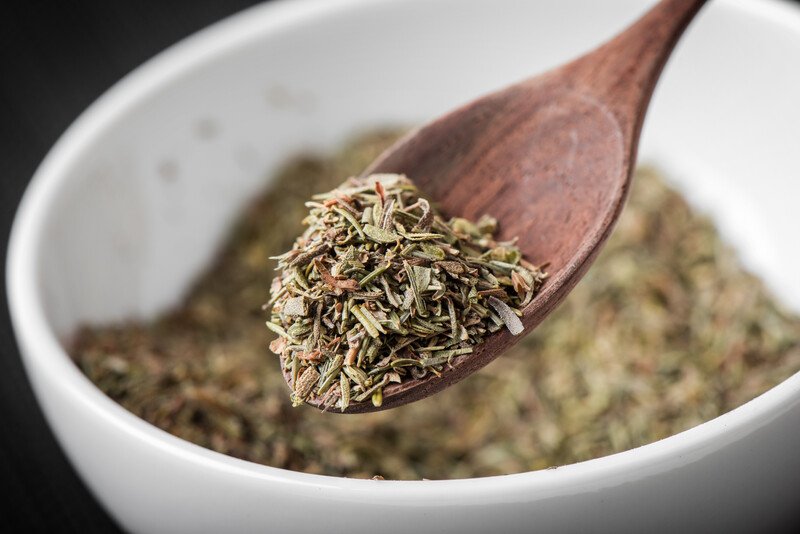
(133,200)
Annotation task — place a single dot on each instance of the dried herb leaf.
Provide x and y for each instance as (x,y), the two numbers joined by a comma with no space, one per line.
(380,235)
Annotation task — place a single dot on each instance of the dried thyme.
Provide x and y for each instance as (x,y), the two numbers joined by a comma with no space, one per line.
(380,289)
(665,331)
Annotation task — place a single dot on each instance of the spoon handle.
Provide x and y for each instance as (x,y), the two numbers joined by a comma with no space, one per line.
(623,72)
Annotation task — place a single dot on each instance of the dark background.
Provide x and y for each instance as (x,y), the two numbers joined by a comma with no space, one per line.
(56,57)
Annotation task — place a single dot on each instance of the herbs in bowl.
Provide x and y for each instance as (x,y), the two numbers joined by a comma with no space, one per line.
(666,331)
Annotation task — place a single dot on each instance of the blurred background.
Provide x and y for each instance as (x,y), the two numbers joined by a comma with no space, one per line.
(55,59)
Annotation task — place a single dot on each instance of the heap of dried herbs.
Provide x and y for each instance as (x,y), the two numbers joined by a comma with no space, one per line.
(380,289)
(665,331)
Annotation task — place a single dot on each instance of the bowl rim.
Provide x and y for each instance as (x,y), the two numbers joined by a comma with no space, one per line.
(41,350)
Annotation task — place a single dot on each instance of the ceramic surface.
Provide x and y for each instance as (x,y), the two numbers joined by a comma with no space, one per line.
(134,199)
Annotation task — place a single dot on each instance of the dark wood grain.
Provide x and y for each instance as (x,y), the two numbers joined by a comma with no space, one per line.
(551,158)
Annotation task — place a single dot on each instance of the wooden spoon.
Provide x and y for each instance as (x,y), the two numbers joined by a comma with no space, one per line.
(551,158)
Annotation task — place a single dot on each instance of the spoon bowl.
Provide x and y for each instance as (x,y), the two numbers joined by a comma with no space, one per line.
(551,158)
